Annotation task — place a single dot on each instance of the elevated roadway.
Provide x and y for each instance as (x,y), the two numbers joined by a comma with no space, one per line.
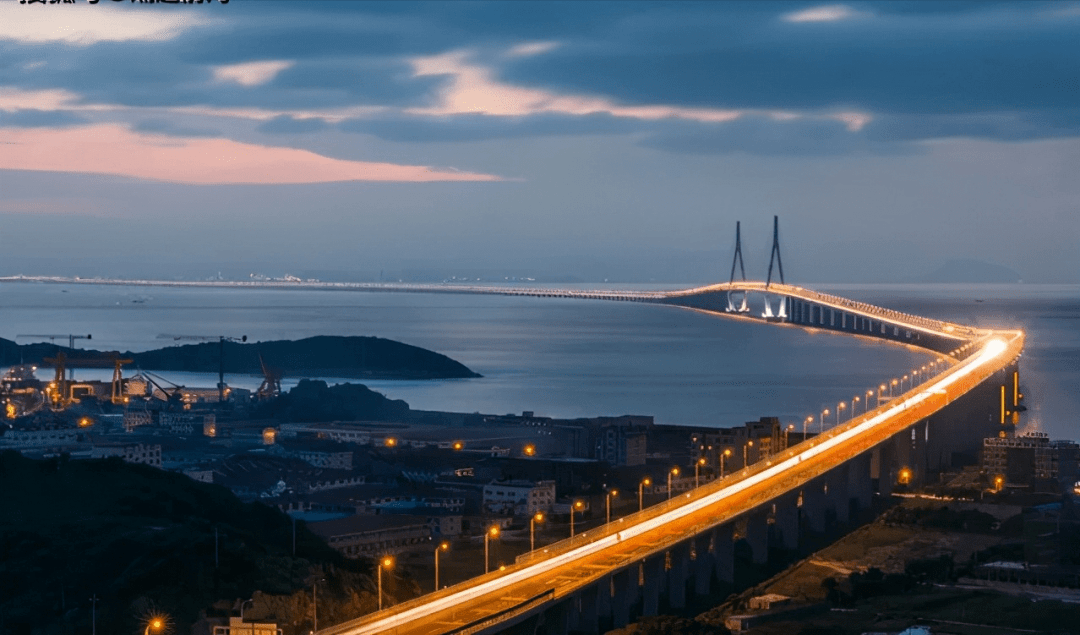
(605,566)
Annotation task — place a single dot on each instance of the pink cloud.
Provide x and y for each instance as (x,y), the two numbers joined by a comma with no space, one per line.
(113,149)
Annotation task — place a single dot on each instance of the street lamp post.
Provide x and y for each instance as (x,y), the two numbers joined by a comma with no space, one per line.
(641,492)
(746,453)
(854,405)
(840,406)
(893,383)
(492,532)
(576,506)
(697,471)
(723,455)
(252,600)
(821,420)
(443,546)
(881,389)
(387,562)
(789,428)
(673,472)
(156,623)
(610,495)
(538,517)
(805,423)
(315,602)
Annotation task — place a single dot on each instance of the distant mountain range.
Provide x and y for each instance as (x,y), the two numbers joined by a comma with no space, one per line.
(322,356)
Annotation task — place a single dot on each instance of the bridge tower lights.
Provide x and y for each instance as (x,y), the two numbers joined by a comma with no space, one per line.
(775,253)
(738,255)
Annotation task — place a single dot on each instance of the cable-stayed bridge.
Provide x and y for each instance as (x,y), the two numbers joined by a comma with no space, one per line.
(608,575)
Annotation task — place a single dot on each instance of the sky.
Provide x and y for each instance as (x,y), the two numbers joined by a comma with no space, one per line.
(581,141)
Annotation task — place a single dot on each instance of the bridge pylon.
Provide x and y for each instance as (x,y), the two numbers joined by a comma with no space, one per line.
(738,255)
(775,254)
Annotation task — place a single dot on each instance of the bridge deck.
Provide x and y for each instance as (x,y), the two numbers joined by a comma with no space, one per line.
(571,565)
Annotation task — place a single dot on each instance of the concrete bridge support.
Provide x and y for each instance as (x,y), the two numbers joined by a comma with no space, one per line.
(883,467)
(813,506)
(723,552)
(678,575)
(786,521)
(650,591)
(860,488)
(757,534)
(839,501)
(625,583)
(586,619)
(703,566)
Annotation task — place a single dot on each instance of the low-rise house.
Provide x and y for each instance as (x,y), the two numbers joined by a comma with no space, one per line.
(518,498)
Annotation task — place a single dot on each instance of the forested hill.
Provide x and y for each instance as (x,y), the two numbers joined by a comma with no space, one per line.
(326,356)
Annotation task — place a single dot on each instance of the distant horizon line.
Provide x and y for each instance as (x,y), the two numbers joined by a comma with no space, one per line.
(294,282)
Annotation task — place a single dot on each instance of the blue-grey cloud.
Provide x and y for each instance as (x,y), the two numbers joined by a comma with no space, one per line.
(987,58)
(291,125)
(32,118)
(471,127)
(164,126)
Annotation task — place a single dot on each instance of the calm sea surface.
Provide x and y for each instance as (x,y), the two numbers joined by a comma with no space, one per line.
(569,358)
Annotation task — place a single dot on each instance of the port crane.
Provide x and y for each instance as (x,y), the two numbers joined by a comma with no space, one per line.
(63,397)
(221,339)
(71,342)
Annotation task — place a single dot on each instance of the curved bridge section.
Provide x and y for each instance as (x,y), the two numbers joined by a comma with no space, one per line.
(606,576)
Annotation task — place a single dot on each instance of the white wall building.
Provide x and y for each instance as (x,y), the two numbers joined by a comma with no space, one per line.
(519,498)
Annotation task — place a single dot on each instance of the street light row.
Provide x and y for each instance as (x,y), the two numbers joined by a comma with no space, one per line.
(840,406)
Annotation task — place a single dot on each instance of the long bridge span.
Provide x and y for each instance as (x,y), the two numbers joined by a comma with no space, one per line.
(606,576)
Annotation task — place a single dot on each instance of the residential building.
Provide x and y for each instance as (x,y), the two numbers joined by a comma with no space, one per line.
(518,498)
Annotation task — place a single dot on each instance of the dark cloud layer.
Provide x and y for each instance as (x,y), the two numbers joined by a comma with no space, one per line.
(992,70)
(31,118)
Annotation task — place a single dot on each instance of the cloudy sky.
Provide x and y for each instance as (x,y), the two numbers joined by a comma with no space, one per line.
(583,140)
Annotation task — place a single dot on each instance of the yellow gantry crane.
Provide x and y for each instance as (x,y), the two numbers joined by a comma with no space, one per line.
(61,388)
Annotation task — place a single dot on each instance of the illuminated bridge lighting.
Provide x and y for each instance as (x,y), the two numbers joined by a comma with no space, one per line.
(557,571)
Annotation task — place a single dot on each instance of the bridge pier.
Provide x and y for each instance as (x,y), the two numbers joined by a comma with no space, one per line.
(604,588)
(723,550)
(586,618)
(702,564)
(650,592)
(786,521)
(556,620)
(625,583)
(677,575)
(860,488)
(838,492)
(813,506)
(757,535)
(883,465)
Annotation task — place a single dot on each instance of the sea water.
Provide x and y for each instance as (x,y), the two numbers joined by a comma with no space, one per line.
(580,358)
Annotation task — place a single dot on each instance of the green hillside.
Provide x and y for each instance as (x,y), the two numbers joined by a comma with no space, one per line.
(143,540)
